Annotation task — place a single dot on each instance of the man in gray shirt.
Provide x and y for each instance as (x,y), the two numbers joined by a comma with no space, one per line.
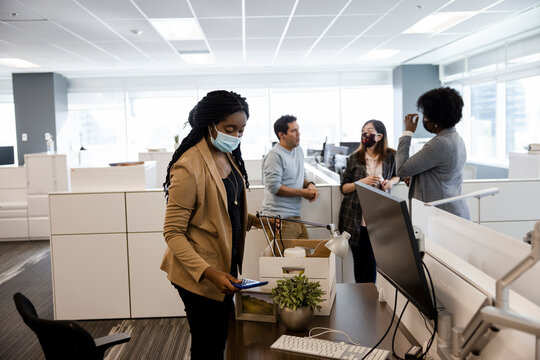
(285,180)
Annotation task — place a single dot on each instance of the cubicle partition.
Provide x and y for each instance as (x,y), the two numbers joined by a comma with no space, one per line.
(465,260)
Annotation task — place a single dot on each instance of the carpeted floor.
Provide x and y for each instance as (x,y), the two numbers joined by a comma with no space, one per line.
(25,267)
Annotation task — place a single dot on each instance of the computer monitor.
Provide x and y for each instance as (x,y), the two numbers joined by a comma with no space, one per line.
(7,155)
(351,145)
(330,151)
(395,246)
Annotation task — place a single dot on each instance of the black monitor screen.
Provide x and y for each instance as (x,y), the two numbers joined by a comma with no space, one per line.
(395,246)
(7,155)
(351,145)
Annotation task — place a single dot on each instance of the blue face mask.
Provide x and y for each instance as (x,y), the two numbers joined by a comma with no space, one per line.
(223,142)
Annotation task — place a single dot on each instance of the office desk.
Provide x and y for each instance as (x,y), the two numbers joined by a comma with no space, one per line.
(356,311)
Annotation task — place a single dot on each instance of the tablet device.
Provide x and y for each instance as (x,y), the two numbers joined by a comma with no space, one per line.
(248,283)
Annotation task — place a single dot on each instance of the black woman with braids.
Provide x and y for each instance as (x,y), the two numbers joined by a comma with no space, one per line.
(207,219)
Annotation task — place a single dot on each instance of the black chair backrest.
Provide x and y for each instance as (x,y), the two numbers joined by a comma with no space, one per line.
(59,339)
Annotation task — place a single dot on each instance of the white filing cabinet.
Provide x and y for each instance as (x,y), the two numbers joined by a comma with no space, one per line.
(162,159)
(13,203)
(152,295)
(114,178)
(89,256)
(523,166)
(45,173)
(106,251)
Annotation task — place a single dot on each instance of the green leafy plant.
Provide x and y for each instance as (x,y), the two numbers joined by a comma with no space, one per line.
(298,291)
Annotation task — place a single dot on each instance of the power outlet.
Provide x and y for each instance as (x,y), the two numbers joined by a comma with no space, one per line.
(24,137)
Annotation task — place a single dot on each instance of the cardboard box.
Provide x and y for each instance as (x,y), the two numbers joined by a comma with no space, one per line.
(317,266)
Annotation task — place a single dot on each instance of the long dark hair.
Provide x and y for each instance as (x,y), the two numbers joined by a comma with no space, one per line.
(381,148)
(212,109)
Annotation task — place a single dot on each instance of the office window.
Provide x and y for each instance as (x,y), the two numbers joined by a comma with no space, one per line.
(95,121)
(359,105)
(317,110)
(522,113)
(482,120)
(257,138)
(8,135)
(155,117)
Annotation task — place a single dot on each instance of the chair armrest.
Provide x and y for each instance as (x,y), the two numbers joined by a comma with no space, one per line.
(111,340)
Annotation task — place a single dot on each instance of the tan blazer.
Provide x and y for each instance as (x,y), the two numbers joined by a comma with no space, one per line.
(197,227)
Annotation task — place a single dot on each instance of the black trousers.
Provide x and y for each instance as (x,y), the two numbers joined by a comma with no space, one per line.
(208,324)
(365,268)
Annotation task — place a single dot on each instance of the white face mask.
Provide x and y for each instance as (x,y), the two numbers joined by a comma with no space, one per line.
(223,142)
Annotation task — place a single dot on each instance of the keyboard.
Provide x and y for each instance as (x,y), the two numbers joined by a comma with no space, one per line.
(326,348)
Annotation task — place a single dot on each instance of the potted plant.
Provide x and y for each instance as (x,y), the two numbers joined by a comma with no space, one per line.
(176,143)
(297,298)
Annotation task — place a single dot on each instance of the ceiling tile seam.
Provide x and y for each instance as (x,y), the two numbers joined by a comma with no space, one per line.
(74,34)
(244,31)
(88,11)
(31,35)
(75,54)
(453,41)
(197,20)
(165,40)
(293,10)
(367,29)
(469,17)
(326,30)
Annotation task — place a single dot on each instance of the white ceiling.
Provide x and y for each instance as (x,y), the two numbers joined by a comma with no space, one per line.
(95,36)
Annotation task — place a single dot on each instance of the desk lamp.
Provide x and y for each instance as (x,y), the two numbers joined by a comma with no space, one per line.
(338,244)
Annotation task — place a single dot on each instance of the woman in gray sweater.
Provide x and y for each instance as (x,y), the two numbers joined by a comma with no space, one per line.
(436,171)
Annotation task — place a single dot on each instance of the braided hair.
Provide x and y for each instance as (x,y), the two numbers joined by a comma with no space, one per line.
(212,109)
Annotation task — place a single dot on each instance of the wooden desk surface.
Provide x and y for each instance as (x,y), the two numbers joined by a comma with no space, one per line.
(356,311)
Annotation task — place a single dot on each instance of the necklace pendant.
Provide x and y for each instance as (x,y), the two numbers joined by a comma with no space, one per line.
(235,202)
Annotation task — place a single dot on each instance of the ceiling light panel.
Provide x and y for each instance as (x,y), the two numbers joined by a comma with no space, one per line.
(438,22)
(265,27)
(351,25)
(308,26)
(266,8)
(178,29)
(320,7)
(514,5)
(18,63)
(222,28)
(189,45)
(394,24)
(219,8)
(198,59)
(164,8)
(479,22)
(467,5)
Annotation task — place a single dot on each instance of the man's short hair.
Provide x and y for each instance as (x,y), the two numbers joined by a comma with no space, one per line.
(282,124)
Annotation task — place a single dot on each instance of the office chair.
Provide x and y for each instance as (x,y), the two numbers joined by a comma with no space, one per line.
(63,339)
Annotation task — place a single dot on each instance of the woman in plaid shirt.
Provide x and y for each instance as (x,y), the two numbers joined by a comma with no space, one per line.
(373,163)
